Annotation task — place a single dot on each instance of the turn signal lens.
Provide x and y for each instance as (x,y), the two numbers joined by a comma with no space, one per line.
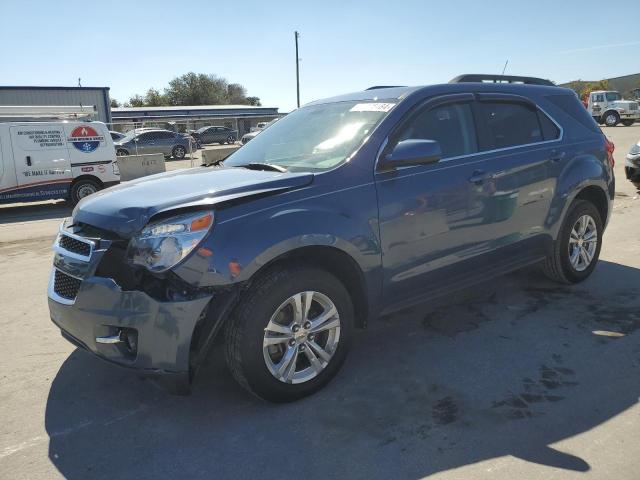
(202,223)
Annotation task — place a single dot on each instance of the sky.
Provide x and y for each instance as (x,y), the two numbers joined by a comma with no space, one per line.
(345,45)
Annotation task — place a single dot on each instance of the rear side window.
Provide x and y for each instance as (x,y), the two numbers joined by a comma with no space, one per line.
(572,107)
(550,130)
(451,125)
(509,124)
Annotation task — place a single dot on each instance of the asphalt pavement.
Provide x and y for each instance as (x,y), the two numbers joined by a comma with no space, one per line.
(516,378)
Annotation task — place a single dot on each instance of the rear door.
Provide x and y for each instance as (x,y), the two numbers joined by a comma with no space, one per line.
(41,161)
(518,145)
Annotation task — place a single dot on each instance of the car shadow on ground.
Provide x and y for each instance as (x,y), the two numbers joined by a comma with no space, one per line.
(509,368)
(21,212)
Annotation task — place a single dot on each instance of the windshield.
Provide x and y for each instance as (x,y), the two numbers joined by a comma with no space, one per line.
(613,96)
(317,137)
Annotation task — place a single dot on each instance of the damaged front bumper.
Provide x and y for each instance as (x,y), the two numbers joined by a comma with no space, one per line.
(129,328)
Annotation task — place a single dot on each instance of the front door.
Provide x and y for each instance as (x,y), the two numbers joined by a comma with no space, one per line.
(41,160)
(429,213)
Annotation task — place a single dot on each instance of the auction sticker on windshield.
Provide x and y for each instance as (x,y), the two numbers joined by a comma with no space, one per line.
(372,107)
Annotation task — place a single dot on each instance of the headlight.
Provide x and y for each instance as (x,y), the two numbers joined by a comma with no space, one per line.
(164,244)
(635,150)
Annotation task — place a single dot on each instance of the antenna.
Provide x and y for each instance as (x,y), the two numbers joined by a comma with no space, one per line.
(505,67)
(79,84)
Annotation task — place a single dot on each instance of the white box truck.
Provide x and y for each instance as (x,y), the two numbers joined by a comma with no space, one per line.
(51,160)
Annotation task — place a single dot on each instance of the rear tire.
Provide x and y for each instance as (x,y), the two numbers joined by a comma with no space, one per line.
(628,123)
(262,333)
(179,152)
(83,188)
(560,266)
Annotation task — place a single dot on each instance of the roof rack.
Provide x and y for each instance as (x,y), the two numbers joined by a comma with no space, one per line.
(376,87)
(482,78)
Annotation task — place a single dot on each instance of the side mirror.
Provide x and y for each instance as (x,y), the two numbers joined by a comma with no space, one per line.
(413,152)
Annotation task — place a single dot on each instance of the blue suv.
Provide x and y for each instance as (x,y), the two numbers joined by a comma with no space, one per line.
(344,210)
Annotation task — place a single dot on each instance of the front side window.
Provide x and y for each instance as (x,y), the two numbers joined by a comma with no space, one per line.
(598,98)
(509,124)
(313,138)
(451,125)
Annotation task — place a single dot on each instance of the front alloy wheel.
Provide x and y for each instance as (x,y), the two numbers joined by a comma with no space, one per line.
(301,337)
(290,333)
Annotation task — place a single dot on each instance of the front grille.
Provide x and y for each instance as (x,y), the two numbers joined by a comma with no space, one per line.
(65,285)
(73,245)
(633,106)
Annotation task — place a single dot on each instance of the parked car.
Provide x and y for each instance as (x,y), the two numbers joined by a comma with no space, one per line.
(609,108)
(347,209)
(52,160)
(144,141)
(251,135)
(116,135)
(632,166)
(219,135)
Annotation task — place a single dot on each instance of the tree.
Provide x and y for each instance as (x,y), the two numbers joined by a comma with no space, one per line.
(195,89)
(114,103)
(236,94)
(136,101)
(154,98)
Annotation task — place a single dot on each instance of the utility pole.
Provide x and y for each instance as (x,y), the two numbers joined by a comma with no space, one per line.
(296,34)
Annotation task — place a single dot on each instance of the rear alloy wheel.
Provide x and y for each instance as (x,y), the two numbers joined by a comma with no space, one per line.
(611,119)
(83,188)
(290,334)
(577,248)
(179,152)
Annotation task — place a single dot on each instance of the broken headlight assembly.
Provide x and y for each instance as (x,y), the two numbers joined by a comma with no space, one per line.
(162,245)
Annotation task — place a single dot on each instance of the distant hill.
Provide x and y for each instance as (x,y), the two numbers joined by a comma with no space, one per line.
(627,85)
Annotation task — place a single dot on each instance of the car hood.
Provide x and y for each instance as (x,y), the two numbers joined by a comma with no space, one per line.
(125,209)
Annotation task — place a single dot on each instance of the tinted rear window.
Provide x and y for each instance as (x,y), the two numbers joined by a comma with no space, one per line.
(509,124)
(572,107)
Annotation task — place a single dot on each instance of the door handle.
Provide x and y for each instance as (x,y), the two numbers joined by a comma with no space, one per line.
(28,160)
(479,177)
(556,156)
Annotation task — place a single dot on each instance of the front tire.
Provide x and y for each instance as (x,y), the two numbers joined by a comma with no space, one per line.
(577,248)
(611,119)
(231,139)
(290,334)
(83,188)
(121,152)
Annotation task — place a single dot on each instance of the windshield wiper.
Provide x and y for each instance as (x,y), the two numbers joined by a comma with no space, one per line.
(263,166)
